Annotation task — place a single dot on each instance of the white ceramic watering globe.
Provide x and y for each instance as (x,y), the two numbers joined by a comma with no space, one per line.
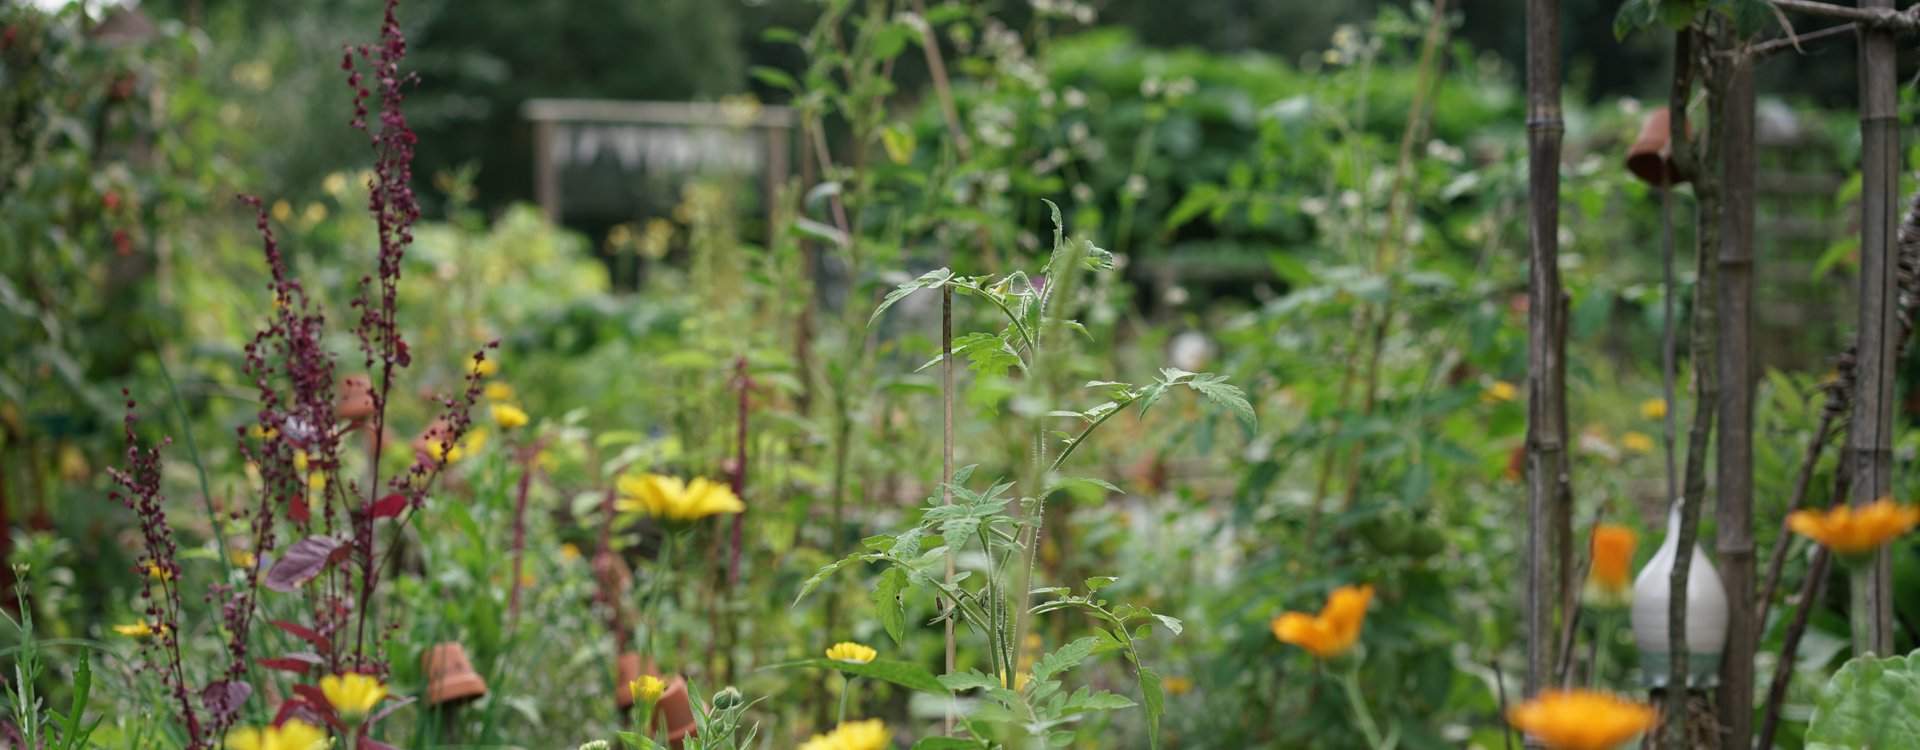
(1706,613)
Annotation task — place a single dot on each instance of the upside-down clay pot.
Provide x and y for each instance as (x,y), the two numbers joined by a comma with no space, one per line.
(674,713)
(356,398)
(450,676)
(1650,158)
(437,431)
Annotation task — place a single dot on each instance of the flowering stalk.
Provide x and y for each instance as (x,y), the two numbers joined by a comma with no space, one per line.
(1351,683)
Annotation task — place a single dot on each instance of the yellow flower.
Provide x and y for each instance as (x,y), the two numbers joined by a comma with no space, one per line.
(282,211)
(569,552)
(1499,392)
(498,391)
(1610,578)
(647,689)
(1638,442)
(670,499)
(871,734)
(1654,408)
(135,629)
(317,481)
(1178,686)
(299,460)
(484,368)
(243,558)
(1582,720)
(1850,531)
(334,184)
(293,735)
(509,416)
(446,451)
(353,695)
(852,653)
(258,432)
(1333,631)
(155,572)
(1019,680)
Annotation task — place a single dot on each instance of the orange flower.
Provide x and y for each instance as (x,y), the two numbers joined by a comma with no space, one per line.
(1333,631)
(1850,531)
(1582,720)
(1610,579)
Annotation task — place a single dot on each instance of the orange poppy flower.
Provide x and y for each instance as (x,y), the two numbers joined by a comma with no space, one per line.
(1332,632)
(1610,579)
(1582,720)
(1851,531)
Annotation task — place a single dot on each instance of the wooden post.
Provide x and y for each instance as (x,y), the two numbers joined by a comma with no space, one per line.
(1734,511)
(546,183)
(1870,431)
(1546,402)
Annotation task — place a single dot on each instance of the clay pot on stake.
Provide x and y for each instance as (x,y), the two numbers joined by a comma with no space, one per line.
(673,713)
(451,682)
(1650,158)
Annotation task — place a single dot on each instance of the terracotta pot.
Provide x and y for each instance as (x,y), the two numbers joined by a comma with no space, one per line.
(450,675)
(1651,156)
(629,668)
(437,431)
(674,712)
(356,398)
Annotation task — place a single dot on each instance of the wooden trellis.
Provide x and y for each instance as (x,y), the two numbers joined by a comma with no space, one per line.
(1725,170)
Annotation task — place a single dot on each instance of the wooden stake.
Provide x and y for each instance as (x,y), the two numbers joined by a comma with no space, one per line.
(1734,511)
(1546,402)
(1870,431)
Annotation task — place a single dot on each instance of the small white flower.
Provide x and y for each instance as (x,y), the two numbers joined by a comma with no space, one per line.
(1082,193)
(1075,98)
(1136,186)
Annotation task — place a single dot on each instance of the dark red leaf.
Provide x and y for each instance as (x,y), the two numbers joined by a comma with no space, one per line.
(368,743)
(298,509)
(305,633)
(302,563)
(297,663)
(390,506)
(297,709)
(225,697)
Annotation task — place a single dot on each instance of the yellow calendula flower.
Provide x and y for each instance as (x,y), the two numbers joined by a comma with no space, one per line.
(484,368)
(135,629)
(1654,408)
(1019,682)
(871,734)
(509,416)
(670,499)
(353,695)
(243,558)
(1582,720)
(1610,577)
(852,653)
(446,451)
(293,735)
(1332,632)
(569,552)
(1178,685)
(499,391)
(1499,392)
(158,573)
(258,432)
(300,461)
(647,689)
(317,481)
(1851,531)
(1638,442)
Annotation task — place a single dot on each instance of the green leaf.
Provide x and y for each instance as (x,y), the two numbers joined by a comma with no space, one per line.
(1097,583)
(774,77)
(814,582)
(1869,703)
(1156,702)
(1216,389)
(893,613)
(1172,623)
(1199,198)
(904,674)
(930,280)
(971,679)
(1081,701)
(897,139)
(947,743)
(1063,659)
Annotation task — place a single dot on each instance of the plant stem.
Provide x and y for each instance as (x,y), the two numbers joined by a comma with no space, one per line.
(1860,619)
(846,691)
(1351,681)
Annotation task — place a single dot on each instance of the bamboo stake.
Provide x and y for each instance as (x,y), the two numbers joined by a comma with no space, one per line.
(1870,431)
(1546,403)
(946,454)
(1734,509)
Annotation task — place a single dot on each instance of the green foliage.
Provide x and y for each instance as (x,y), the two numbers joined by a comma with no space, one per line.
(1868,704)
